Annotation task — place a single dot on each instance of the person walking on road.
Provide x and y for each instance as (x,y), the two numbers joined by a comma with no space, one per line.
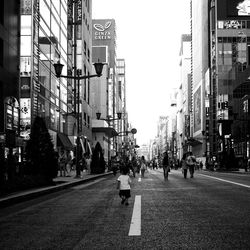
(124,185)
(165,165)
(184,165)
(62,162)
(191,161)
(143,166)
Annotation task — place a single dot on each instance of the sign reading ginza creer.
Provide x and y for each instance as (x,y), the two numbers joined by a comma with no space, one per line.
(101,31)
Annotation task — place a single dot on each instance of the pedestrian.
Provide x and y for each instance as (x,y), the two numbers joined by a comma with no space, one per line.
(134,165)
(62,162)
(201,165)
(165,165)
(184,165)
(124,186)
(191,161)
(143,166)
(88,162)
(68,163)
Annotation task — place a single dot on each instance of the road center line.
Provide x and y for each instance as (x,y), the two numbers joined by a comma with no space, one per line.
(135,225)
(219,179)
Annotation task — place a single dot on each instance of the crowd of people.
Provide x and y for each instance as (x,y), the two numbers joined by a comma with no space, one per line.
(129,168)
(67,163)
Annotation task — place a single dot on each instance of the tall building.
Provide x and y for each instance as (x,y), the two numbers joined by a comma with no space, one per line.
(230,86)
(111,99)
(9,72)
(49,33)
(184,97)
(122,101)
(199,75)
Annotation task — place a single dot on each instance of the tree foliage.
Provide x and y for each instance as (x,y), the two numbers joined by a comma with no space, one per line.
(98,162)
(40,152)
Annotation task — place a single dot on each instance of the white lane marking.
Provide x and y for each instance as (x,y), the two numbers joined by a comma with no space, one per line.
(135,225)
(219,179)
(139,179)
(88,184)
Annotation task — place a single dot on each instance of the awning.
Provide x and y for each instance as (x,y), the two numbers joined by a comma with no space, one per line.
(109,131)
(63,141)
(193,142)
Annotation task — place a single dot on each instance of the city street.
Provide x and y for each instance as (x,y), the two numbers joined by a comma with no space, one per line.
(210,211)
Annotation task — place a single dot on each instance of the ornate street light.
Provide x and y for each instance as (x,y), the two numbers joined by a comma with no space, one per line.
(108,120)
(58,70)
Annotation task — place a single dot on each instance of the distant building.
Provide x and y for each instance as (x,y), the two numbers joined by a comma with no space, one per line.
(109,98)
(184,97)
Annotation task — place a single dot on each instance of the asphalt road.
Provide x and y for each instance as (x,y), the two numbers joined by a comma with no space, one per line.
(210,211)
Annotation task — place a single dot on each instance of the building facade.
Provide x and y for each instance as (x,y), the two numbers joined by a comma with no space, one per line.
(230,55)
(51,32)
(199,73)
(9,75)
(184,96)
(111,99)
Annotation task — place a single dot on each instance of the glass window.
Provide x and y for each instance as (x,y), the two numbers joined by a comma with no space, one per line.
(53,117)
(64,17)
(44,75)
(79,47)
(55,29)
(64,42)
(25,25)
(56,3)
(47,112)
(45,12)
(44,27)
(79,61)
(63,93)
(25,65)
(25,46)
(64,107)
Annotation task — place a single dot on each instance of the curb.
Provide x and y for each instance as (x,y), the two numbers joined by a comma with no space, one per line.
(228,172)
(31,194)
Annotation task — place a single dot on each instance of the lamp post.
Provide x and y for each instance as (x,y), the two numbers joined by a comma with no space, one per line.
(108,120)
(58,70)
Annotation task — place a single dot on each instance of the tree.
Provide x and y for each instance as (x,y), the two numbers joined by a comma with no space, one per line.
(40,152)
(98,162)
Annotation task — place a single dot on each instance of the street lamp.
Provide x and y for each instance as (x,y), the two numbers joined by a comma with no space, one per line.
(58,70)
(108,120)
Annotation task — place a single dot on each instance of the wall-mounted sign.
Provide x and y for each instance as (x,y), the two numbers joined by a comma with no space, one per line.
(101,31)
(233,9)
(25,112)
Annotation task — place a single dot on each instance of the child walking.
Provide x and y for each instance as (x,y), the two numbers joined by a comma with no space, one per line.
(123,184)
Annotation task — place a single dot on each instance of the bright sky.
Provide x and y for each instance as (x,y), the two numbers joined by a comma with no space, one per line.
(149,39)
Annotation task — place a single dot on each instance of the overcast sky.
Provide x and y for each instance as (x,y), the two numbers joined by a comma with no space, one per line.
(148,38)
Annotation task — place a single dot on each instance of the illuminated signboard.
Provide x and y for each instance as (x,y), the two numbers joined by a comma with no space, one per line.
(233,9)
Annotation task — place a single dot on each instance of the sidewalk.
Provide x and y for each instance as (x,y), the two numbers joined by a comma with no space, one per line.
(60,184)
